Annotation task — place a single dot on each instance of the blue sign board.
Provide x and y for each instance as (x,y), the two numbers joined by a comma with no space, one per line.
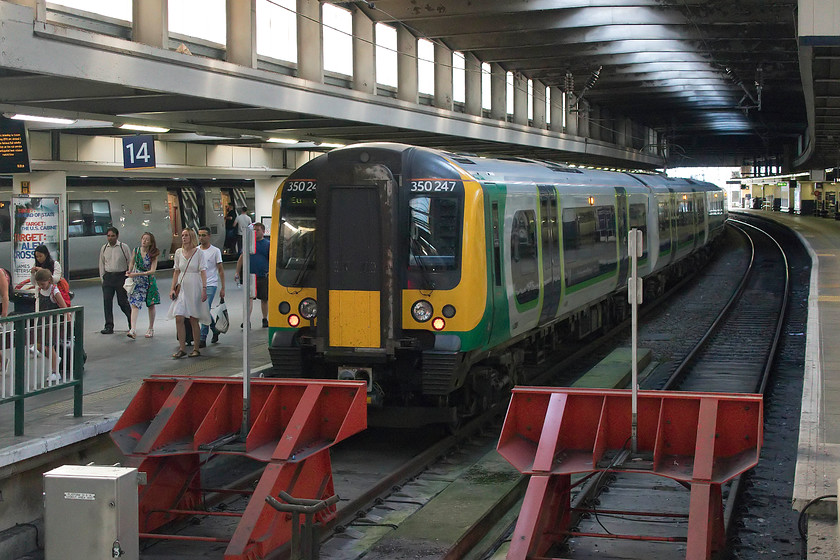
(139,152)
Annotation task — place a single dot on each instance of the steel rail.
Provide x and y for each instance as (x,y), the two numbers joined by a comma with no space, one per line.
(595,484)
(682,368)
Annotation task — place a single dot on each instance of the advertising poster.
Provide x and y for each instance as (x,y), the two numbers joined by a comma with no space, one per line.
(36,222)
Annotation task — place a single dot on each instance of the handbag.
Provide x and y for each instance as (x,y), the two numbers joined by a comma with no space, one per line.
(128,285)
(220,316)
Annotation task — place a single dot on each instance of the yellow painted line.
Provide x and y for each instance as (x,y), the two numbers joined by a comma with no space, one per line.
(826,255)
(829,298)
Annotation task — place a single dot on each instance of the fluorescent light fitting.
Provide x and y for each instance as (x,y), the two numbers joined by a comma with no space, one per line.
(38,118)
(330,145)
(283,140)
(143,128)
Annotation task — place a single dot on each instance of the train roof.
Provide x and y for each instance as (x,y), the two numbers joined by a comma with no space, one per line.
(512,170)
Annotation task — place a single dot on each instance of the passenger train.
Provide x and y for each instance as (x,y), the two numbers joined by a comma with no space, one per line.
(437,277)
(161,206)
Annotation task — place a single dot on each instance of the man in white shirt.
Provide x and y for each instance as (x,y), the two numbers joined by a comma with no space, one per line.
(215,280)
(113,264)
(241,223)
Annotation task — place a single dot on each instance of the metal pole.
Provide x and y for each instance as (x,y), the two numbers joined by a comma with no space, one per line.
(635,295)
(247,247)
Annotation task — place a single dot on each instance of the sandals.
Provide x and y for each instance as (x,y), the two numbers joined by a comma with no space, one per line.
(150,333)
(194,353)
(131,334)
(179,354)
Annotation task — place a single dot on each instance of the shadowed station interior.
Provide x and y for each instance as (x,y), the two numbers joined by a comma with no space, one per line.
(448,189)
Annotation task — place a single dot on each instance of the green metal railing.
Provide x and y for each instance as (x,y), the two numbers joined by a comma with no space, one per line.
(27,344)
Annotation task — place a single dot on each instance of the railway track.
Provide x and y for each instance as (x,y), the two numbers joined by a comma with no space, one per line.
(734,356)
(380,490)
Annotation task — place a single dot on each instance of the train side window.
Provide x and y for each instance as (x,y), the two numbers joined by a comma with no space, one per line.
(523,256)
(101,216)
(685,221)
(88,217)
(638,220)
(5,221)
(588,243)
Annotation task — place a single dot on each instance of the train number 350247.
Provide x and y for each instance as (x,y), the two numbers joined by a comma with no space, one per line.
(433,185)
(301,186)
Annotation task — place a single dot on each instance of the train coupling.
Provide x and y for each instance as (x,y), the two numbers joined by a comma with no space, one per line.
(375,395)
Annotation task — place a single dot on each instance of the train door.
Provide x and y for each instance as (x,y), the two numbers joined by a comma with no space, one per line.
(193,208)
(354,275)
(550,248)
(186,210)
(621,234)
(175,222)
(226,198)
(501,321)
(703,220)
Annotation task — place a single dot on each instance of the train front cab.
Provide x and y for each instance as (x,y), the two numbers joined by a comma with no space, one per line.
(370,281)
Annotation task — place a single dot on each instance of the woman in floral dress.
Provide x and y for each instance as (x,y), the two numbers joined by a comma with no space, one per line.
(142,269)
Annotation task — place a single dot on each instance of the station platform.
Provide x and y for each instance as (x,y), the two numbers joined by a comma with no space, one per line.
(116,366)
(818,460)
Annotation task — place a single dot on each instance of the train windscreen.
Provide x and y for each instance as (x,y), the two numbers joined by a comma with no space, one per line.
(434,241)
(296,252)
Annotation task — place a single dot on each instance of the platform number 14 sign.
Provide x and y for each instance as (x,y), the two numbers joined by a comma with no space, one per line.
(139,152)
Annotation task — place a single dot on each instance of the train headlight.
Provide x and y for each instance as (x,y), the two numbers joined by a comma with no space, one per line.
(294,320)
(422,311)
(448,311)
(308,308)
(284,307)
(438,323)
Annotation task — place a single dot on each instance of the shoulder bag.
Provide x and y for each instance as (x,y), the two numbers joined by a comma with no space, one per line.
(181,279)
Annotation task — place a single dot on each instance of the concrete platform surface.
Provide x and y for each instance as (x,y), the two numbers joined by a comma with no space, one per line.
(116,366)
(818,460)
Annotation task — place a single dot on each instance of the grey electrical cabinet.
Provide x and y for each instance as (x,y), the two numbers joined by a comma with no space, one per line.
(91,513)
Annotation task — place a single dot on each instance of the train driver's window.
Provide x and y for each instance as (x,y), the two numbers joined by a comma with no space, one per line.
(434,241)
(523,256)
(296,244)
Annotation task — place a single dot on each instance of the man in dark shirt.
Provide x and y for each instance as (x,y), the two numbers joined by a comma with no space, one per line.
(230,230)
(258,265)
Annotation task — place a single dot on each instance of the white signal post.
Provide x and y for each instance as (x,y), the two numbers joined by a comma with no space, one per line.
(635,247)
(249,247)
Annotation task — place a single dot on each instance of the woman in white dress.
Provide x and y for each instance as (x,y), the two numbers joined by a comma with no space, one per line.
(189,291)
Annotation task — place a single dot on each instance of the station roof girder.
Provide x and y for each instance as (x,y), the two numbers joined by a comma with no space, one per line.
(688,70)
